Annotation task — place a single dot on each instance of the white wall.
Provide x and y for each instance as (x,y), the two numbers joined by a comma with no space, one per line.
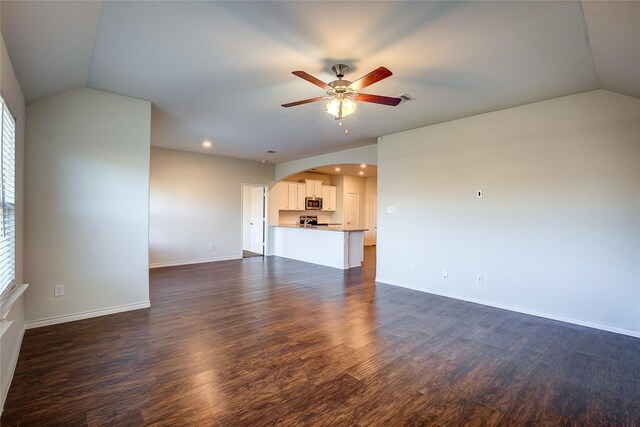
(367,154)
(196,200)
(11,340)
(557,232)
(86,205)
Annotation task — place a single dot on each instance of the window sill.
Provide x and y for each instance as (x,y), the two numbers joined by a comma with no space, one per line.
(6,304)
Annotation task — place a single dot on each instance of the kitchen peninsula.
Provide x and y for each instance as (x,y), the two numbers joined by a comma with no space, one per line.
(341,248)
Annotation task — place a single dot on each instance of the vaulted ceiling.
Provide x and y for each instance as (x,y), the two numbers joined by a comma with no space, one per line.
(220,70)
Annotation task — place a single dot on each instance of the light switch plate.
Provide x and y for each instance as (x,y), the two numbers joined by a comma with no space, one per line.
(58,290)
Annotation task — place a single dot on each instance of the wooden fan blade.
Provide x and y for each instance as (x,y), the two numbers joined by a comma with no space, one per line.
(305,101)
(378,99)
(308,77)
(371,78)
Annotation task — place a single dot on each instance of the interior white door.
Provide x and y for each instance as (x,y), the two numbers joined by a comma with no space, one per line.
(353,210)
(257,220)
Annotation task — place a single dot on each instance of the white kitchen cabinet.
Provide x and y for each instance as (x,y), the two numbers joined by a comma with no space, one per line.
(295,196)
(302,192)
(329,197)
(314,188)
(333,198)
(326,195)
(290,196)
(281,193)
(292,188)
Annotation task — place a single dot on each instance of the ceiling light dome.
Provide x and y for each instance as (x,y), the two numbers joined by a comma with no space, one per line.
(340,107)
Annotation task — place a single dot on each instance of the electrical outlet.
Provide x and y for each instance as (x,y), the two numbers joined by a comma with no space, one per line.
(479,280)
(445,273)
(210,246)
(58,290)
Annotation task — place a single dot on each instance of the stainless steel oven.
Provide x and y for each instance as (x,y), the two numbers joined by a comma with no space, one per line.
(313,203)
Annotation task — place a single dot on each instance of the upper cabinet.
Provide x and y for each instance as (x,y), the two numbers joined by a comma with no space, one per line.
(302,193)
(280,194)
(290,196)
(292,189)
(329,197)
(314,188)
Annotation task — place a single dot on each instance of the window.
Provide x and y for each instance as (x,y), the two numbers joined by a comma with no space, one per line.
(7,199)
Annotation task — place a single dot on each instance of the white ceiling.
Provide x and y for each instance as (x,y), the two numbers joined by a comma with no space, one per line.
(220,70)
(614,35)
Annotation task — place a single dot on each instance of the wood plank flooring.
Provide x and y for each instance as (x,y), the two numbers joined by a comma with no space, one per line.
(249,254)
(271,341)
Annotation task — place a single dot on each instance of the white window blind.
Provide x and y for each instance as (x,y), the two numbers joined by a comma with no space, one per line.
(7,200)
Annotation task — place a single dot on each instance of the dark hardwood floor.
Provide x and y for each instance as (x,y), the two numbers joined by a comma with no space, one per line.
(271,341)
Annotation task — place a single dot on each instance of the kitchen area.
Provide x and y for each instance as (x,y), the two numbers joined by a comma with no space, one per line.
(325,215)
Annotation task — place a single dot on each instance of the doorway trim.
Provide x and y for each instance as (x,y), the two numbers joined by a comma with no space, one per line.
(265,217)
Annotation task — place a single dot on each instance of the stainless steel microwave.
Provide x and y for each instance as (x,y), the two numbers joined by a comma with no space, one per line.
(313,203)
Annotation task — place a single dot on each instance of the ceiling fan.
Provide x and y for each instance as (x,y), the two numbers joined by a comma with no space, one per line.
(343,93)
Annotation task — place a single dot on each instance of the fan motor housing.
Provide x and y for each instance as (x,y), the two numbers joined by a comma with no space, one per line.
(339,86)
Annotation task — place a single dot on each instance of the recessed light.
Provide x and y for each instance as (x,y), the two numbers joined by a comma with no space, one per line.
(361,173)
(206,144)
(363,165)
(337,169)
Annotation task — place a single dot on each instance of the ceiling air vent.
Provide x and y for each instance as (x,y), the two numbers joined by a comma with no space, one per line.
(270,152)
(406,98)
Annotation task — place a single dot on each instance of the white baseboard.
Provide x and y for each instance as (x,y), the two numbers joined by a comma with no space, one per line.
(193,261)
(12,368)
(85,315)
(579,322)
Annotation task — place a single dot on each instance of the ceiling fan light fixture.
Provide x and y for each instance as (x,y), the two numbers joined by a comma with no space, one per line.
(340,107)
(342,94)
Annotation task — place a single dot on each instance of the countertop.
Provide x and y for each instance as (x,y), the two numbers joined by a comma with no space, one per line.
(322,228)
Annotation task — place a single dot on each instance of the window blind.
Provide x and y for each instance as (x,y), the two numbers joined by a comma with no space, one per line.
(7,199)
